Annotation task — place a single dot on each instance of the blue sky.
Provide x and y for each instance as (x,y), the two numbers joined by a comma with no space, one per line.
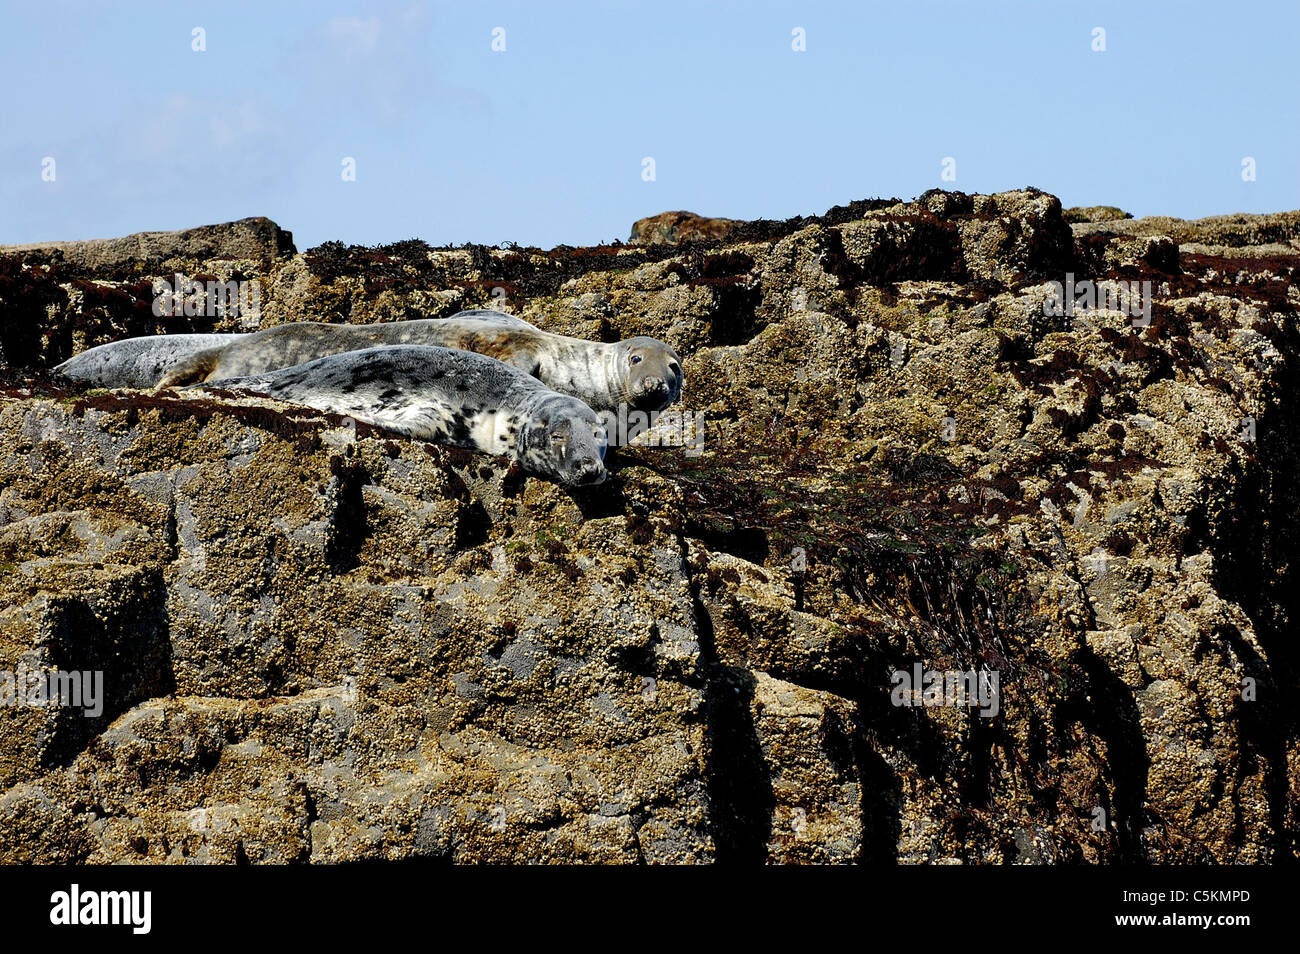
(543,143)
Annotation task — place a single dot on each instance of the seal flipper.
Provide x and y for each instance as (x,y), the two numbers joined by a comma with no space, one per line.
(193,370)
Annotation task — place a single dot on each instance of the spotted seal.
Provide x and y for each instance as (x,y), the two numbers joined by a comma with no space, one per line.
(448,397)
(641,373)
(138,362)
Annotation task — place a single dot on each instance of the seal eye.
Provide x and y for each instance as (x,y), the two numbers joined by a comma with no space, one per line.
(636,359)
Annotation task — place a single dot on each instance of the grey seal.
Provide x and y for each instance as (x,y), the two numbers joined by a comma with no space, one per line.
(138,362)
(642,374)
(448,397)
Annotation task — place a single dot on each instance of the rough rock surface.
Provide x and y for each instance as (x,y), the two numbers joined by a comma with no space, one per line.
(674,228)
(255,238)
(322,643)
(1095,213)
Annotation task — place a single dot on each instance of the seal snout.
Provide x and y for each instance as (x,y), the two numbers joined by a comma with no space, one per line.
(589,471)
(654,392)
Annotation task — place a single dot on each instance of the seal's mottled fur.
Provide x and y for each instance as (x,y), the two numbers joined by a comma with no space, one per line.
(449,397)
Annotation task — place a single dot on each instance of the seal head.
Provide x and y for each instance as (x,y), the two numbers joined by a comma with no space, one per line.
(652,373)
(563,439)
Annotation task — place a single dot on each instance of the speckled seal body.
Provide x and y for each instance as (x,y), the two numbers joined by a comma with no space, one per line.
(449,397)
(638,374)
(138,362)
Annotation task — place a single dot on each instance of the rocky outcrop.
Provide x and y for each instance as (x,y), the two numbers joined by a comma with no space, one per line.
(255,238)
(674,228)
(1095,213)
(1231,236)
(323,643)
